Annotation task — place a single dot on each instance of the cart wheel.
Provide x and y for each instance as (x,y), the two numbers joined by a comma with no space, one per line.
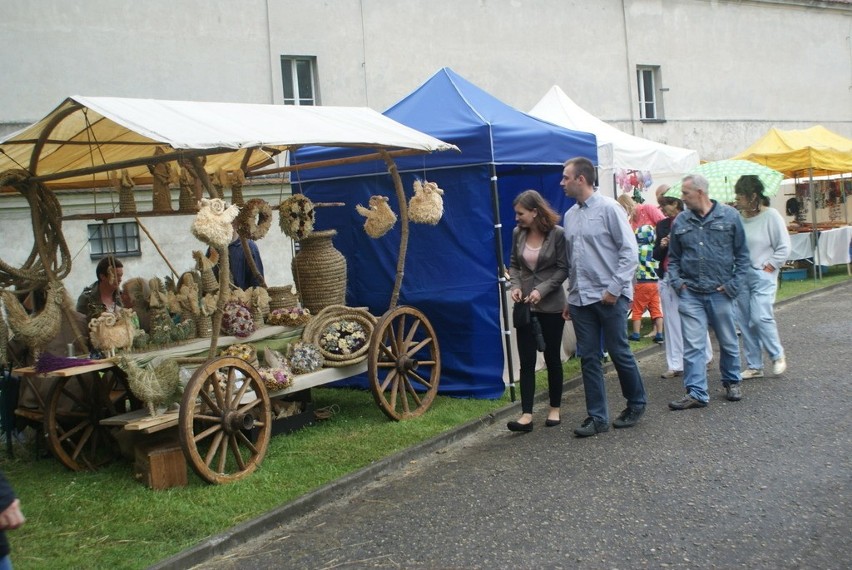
(75,407)
(404,363)
(224,403)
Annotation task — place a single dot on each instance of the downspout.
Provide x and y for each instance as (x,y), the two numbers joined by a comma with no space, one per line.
(630,98)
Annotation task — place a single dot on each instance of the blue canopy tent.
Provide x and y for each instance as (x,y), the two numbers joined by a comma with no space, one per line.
(452,270)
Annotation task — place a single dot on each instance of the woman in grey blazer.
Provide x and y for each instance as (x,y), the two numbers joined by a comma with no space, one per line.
(537,268)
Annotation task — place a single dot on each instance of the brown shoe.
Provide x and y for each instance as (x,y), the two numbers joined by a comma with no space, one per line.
(686,403)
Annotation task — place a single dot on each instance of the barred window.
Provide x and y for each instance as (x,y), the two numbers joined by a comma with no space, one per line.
(119,239)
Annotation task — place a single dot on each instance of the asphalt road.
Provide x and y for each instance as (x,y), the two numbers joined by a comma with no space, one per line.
(761,483)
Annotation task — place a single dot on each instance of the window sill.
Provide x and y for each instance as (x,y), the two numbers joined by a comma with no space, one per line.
(652,120)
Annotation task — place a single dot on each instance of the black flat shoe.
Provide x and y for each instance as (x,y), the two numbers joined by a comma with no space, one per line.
(552,423)
(515,426)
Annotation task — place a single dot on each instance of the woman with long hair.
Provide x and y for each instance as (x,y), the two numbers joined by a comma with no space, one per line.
(537,269)
(768,246)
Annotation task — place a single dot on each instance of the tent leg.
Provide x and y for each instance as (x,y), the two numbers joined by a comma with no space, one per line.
(501,281)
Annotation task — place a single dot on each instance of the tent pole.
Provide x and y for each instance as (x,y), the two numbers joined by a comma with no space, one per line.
(815,232)
(501,280)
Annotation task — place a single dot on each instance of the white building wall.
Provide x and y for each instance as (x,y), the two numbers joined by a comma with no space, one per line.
(731,69)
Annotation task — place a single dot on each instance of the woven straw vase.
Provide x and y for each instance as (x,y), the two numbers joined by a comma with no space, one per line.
(320,272)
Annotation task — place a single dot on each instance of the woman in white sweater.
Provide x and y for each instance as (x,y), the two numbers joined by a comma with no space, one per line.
(768,245)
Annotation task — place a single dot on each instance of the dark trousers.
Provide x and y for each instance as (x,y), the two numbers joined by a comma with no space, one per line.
(551,328)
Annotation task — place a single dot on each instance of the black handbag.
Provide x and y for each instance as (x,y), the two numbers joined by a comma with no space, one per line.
(521,315)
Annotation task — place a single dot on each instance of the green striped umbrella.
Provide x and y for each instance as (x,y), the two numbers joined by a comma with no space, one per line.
(723,174)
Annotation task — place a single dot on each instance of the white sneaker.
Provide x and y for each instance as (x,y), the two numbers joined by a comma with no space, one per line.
(751,373)
(779,366)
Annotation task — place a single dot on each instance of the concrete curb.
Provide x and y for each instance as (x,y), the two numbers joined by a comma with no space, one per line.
(347,485)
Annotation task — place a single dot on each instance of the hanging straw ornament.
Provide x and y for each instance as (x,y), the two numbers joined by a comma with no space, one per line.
(380,217)
(212,224)
(124,185)
(427,204)
(238,180)
(296,217)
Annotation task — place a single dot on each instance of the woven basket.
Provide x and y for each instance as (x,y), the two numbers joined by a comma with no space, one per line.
(282,297)
(204,326)
(320,272)
(257,316)
(314,329)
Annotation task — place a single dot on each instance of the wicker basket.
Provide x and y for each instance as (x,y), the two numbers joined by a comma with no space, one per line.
(320,272)
(204,326)
(282,297)
(314,329)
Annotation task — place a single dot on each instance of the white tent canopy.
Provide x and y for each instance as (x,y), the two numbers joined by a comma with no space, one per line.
(85,133)
(628,152)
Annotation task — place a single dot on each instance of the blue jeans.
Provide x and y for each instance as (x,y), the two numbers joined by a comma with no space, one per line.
(6,563)
(757,317)
(697,312)
(610,320)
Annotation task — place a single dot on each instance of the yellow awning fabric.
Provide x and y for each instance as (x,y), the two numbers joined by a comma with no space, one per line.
(796,152)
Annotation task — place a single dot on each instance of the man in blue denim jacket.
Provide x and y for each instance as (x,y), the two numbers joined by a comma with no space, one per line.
(708,261)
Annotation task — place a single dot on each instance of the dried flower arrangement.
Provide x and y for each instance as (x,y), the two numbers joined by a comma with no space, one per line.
(304,357)
(290,317)
(296,216)
(254,219)
(343,337)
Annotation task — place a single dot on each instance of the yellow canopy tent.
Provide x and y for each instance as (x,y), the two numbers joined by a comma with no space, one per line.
(805,153)
(799,153)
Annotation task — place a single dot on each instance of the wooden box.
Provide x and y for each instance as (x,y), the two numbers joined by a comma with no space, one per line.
(160,464)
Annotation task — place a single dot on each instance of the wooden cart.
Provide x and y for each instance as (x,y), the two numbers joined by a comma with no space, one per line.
(224,422)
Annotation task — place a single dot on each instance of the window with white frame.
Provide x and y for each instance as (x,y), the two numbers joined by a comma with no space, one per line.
(298,77)
(119,239)
(648,81)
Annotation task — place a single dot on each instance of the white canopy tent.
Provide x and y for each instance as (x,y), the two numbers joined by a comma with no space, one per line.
(76,144)
(617,150)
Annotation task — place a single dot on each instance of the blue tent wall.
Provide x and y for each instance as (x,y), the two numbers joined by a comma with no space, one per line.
(451,269)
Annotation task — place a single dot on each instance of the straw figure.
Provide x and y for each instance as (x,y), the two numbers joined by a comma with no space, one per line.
(124,185)
(427,205)
(380,217)
(112,330)
(238,180)
(188,182)
(35,331)
(154,385)
(161,194)
(212,224)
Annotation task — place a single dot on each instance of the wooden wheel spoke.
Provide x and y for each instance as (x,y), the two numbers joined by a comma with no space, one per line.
(239,395)
(400,329)
(214,447)
(411,332)
(206,418)
(82,402)
(389,354)
(414,395)
(404,396)
(386,364)
(206,433)
(229,385)
(420,379)
(235,450)
(205,395)
(394,390)
(247,442)
(81,444)
(386,382)
(223,455)
(417,347)
(217,391)
(250,406)
(64,435)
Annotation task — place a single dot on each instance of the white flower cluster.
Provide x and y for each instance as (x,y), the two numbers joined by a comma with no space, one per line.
(343,337)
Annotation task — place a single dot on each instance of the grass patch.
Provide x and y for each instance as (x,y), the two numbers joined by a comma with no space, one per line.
(106,519)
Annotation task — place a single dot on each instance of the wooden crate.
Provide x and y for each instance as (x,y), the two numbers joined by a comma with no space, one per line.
(160,464)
